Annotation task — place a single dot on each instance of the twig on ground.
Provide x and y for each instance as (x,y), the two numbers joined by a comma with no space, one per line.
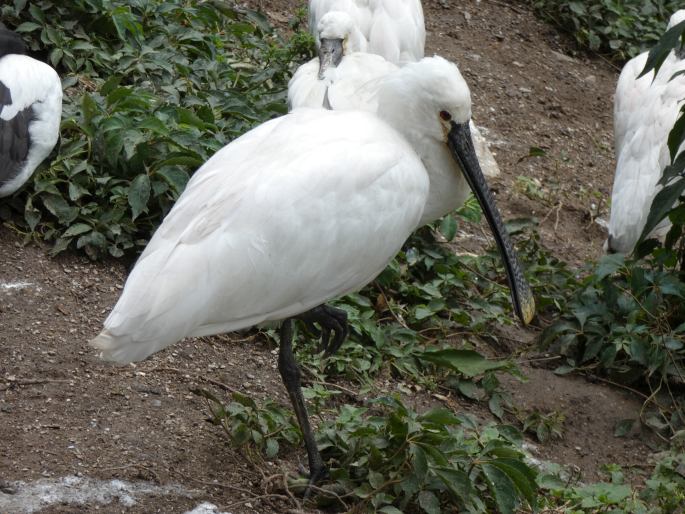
(507,5)
(289,493)
(215,484)
(138,465)
(387,303)
(257,498)
(539,359)
(555,208)
(30,381)
(198,378)
(336,386)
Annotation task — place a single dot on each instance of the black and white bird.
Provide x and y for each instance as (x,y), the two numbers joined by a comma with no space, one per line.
(30,112)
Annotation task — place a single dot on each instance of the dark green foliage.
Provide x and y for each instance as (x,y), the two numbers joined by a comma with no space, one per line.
(152,89)
(627,318)
(430,300)
(618,28)
(264,427)
(663,493)
(627,321)
(390,459)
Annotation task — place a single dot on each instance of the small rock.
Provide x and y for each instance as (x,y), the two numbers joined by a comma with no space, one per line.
(7,488)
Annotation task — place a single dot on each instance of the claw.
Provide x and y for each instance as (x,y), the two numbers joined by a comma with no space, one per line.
(315,478)
(325,337)
(331,320)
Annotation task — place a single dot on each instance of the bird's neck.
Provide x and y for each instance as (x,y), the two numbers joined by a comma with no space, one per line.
(407,114)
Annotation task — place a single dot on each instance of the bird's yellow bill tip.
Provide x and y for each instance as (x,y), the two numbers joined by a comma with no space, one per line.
(527,309)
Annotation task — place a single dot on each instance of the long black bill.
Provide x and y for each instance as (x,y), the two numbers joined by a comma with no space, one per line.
(330,54)
(459,141)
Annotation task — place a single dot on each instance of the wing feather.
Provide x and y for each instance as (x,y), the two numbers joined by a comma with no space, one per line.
(645,110)
(274,224)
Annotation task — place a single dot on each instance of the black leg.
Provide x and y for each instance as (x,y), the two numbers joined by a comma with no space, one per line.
(290,373)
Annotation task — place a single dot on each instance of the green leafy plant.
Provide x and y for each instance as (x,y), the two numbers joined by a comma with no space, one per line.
(152,89)
(393,459)
(544,426)
(263,427)
(619,28)
(627,321)
(622,29)
(662,493)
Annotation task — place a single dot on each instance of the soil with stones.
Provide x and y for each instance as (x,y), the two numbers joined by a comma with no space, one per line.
(65,413)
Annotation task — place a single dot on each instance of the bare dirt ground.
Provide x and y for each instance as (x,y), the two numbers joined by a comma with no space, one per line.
(63,412)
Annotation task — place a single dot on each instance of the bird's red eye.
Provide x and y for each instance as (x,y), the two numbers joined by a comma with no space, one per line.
(445,115)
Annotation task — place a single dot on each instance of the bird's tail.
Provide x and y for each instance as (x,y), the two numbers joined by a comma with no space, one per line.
(116,348)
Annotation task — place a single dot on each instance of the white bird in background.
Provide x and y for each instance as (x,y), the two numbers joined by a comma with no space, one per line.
(30,112)
(393,29)
(343,77)
(645,110)
(301,210)
(338,38)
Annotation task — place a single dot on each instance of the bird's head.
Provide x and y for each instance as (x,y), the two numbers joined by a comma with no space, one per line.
(430,102)
(338,36)
(430,92)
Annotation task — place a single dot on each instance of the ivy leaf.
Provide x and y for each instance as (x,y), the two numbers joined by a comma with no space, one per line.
(502,487)
(139,194)
(448,227)
(663,203)
(466,362)
(429,502)
(458,482)
(60,208)
(271,448)
(77,229)
(389,509)
(609,264)
(657,55)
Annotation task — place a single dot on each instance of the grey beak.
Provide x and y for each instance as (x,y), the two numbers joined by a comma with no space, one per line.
(461,145)
(330,55)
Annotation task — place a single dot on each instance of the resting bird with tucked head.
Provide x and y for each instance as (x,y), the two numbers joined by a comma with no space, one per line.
(303,209)
(393,29)
(645,110)
(30,112)
(344,77)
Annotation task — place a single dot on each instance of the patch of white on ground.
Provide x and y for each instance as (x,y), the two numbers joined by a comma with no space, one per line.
(8,286)
(206,508)
(29,497)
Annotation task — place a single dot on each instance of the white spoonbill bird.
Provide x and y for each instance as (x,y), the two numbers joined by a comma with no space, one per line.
(343,77)
(645,110)
(393,29)
(30,112)
(300,210)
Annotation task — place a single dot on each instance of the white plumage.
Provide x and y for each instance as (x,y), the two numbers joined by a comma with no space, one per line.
(300,210)
(354,83)
(645,110)
(30,112)
(296,212)
(271,226)
(394,29)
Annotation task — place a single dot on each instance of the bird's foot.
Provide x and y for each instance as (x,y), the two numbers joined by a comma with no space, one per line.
(315,478)
(331,320)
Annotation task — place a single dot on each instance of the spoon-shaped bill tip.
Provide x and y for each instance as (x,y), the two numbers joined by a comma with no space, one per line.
(527,305)
(460,143)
